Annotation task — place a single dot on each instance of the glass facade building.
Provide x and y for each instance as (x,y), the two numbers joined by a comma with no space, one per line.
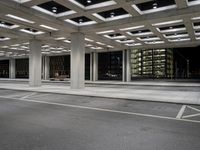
(152,63)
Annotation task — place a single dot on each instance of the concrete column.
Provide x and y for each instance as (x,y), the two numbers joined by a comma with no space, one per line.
(46,67)
(91,66)
(35,63)
(126,66)
(95,66)
(77,60)
(12,68)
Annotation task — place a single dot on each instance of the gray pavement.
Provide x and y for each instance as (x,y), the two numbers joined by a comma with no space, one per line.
(47,121)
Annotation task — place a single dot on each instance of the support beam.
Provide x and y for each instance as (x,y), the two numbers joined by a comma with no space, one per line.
(77,60)
(12,68)
(35,63)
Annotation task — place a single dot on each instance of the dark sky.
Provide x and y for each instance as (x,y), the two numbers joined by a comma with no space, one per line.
(191,53)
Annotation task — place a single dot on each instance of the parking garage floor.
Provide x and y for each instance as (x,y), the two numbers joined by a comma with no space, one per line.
(48,121)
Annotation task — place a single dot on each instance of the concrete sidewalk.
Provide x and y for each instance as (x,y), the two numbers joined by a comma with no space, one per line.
(184,97)
(168,83)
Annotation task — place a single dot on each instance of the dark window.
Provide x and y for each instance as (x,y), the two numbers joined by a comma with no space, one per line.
(110,66)
(22,68)
(60,66)
(4,69)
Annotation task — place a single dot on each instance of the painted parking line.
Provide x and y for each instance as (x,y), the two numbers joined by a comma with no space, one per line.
(181,111)
(101,109)
(22,94)
(27,96)
(40,95)
(190,116)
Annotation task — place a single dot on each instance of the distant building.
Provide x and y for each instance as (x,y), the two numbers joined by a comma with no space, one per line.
(152,63)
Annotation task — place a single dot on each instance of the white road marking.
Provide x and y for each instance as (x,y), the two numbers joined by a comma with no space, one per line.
(189,116)
(27,96)
(181,111)
(193,108)
(102,109)
(41,95)
(15,95)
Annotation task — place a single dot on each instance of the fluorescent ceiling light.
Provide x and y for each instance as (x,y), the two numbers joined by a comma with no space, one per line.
(15,45)
(140,34)
(45,46)
(198,38)
(111,18)
(196,18)
(154,42)
(104,32)
(89,40)
(110,46)
(88,45)
(33,33)
(48,27)
(80,24)
(115,37)
(4,39)
(153,10)
(65,50)
(21,1)
(197,33)
(60,38)
(96,47)
(132,28)
(67,41)
(4,46)
(126,41)
(19,18)
(149,39)
(8,27)
(197,2)
(133,44)
(172,30)
(167,22)
(176,36)
(179,40)
(100,43)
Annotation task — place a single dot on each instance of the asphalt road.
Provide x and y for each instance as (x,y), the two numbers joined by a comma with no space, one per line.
(44,121)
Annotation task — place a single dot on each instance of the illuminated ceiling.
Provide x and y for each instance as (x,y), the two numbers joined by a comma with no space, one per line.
(107,24)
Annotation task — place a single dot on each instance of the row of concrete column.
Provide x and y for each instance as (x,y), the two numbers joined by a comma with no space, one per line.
(77,63)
